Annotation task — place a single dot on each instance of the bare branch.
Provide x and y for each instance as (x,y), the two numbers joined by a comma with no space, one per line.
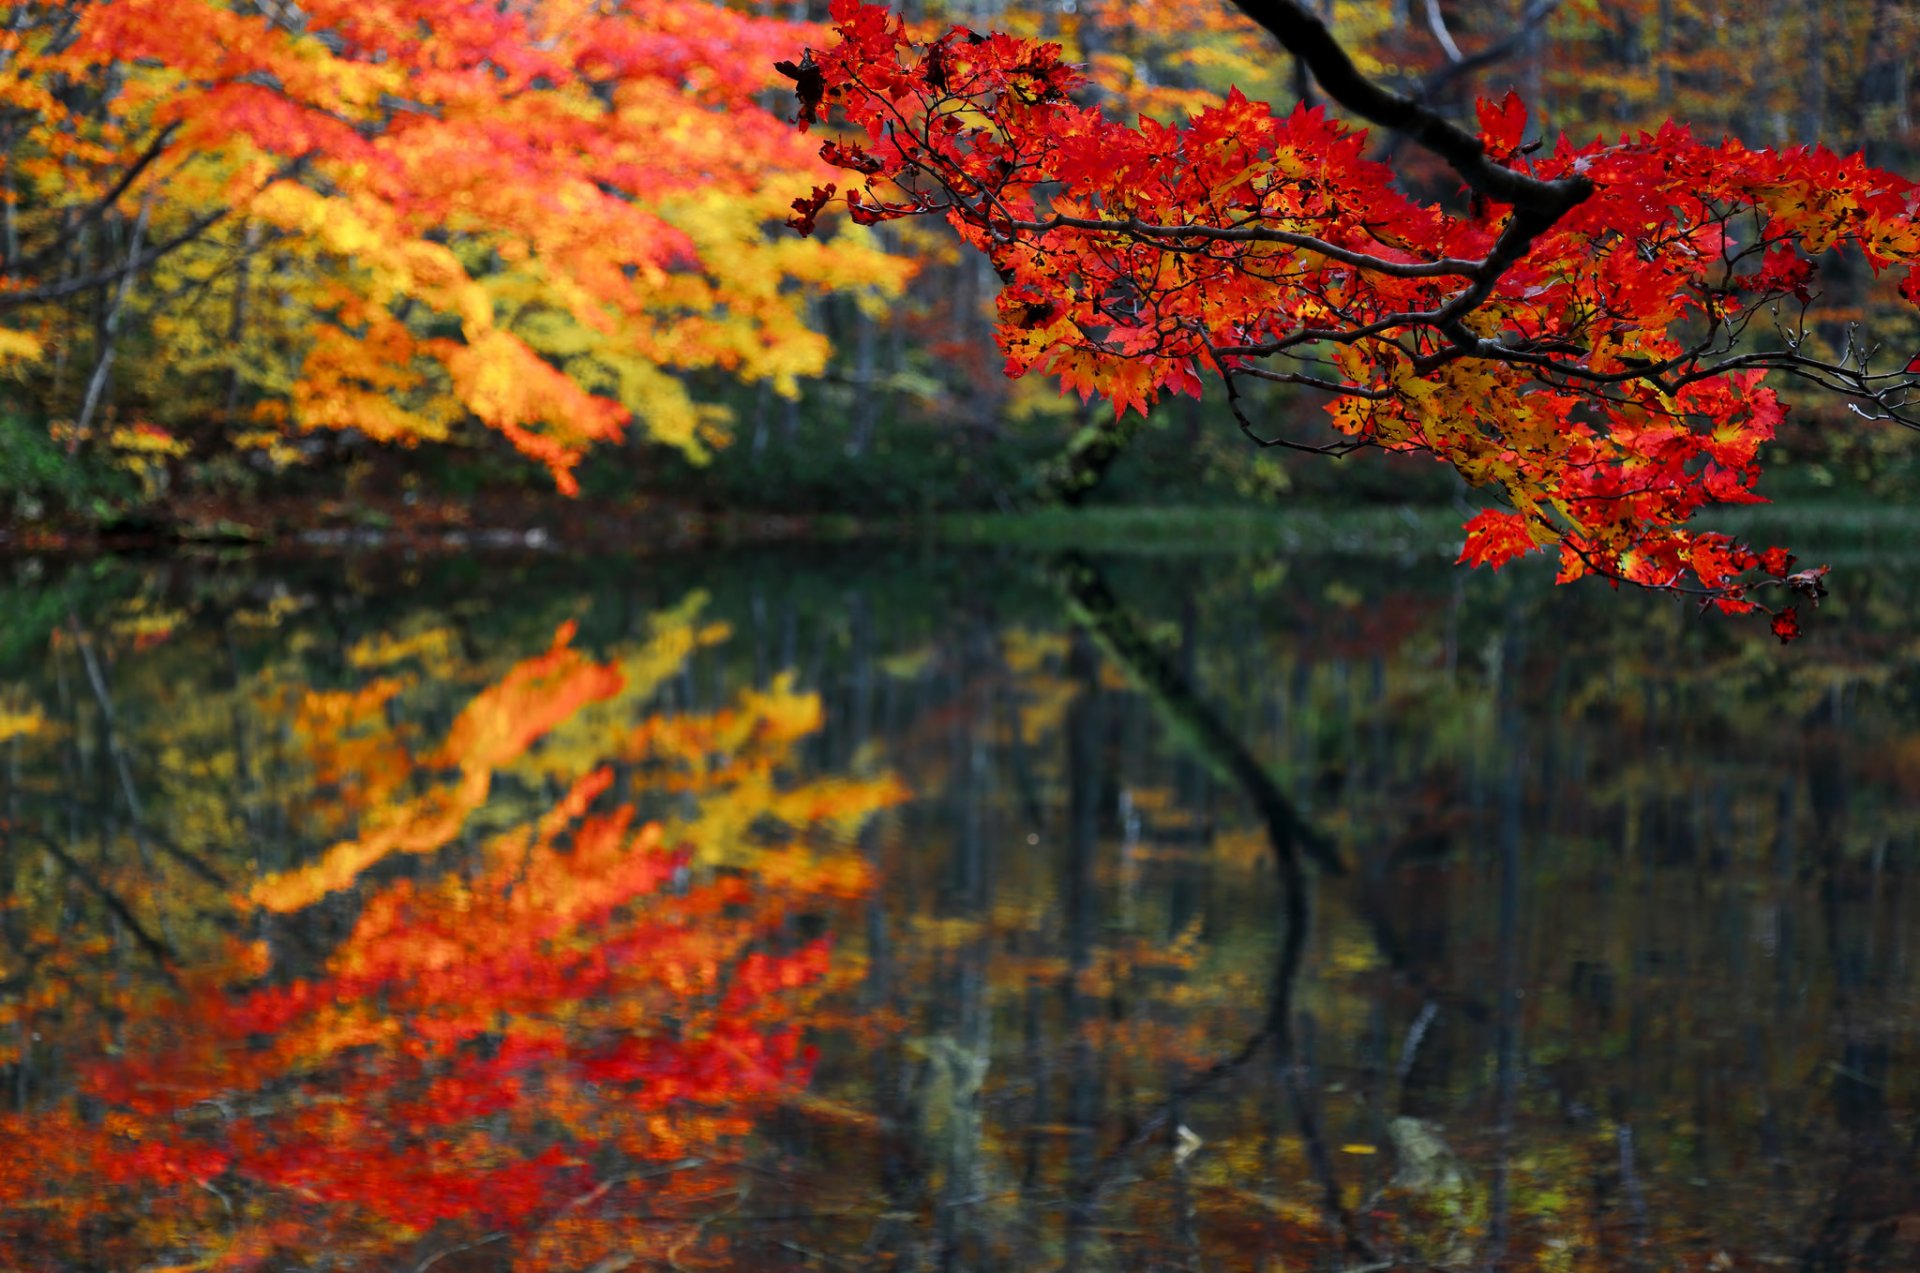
(1501,49)
(1437,23)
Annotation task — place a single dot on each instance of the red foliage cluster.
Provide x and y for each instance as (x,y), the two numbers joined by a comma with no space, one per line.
(1593,352)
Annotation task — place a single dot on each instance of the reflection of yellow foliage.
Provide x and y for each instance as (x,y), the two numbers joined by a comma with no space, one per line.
(833,875)
(496,728)
(1043,706)
(147,627)
(781,715)
(1351,953)
(1243,848)
(1042,698)
(21,722)
(906,665)
(271,615)
(564,701)
(1159,801)
(737,817)
(1027,651)
(730,759)
(331,711)
(941,933)
(432,646)
(838,805)
(585,737)
(1029,914)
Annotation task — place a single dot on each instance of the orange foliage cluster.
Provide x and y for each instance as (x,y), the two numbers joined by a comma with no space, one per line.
(396,215)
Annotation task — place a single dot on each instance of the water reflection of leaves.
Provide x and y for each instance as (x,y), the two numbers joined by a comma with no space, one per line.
(1712,875)
(494,730)
(551,1041)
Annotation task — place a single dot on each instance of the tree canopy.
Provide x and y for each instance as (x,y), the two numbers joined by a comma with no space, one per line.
(1587,334)
(398,216)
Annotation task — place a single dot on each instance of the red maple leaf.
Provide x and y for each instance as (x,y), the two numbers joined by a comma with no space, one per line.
(1495,538)
(1502,124)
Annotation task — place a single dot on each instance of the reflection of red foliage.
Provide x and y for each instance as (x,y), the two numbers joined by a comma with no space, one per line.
(1356,631)
(585,1023)
(366,1087)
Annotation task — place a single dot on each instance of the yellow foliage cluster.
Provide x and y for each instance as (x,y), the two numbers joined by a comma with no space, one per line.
(542,220)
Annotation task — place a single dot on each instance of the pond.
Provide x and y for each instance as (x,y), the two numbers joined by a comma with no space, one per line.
(914,908)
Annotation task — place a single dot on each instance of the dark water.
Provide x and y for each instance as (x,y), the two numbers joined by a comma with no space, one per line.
(1003,912)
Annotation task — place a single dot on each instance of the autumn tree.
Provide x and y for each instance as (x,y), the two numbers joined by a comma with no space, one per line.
(402,217)
(1587,335)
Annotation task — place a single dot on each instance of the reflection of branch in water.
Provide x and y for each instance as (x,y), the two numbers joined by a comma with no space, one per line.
(1101,613)
(110,723)
(1094,606)
(1200,727)
(162,955)
(195,863)
(1031,805)
(1276,1029)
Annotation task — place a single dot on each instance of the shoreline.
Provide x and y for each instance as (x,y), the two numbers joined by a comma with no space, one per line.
(545,526)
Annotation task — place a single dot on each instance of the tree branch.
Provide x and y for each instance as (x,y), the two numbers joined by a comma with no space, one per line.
(134,264)
(97,209)
(1537,204)
(1247,232)
(1437,23)
(1536,13)
(161,954)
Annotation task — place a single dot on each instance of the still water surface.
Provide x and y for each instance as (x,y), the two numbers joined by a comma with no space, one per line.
(950,910)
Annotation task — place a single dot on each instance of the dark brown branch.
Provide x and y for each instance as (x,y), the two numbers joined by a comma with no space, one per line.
(1537,204)
(187,858)
(109,277)
(133,265)
(1499,50)
(1446,267)
(51,252)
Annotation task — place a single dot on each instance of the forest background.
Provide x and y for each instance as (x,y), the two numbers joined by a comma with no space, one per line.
(270,266)
(979,826)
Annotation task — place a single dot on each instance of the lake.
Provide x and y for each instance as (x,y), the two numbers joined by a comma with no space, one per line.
(909,907)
